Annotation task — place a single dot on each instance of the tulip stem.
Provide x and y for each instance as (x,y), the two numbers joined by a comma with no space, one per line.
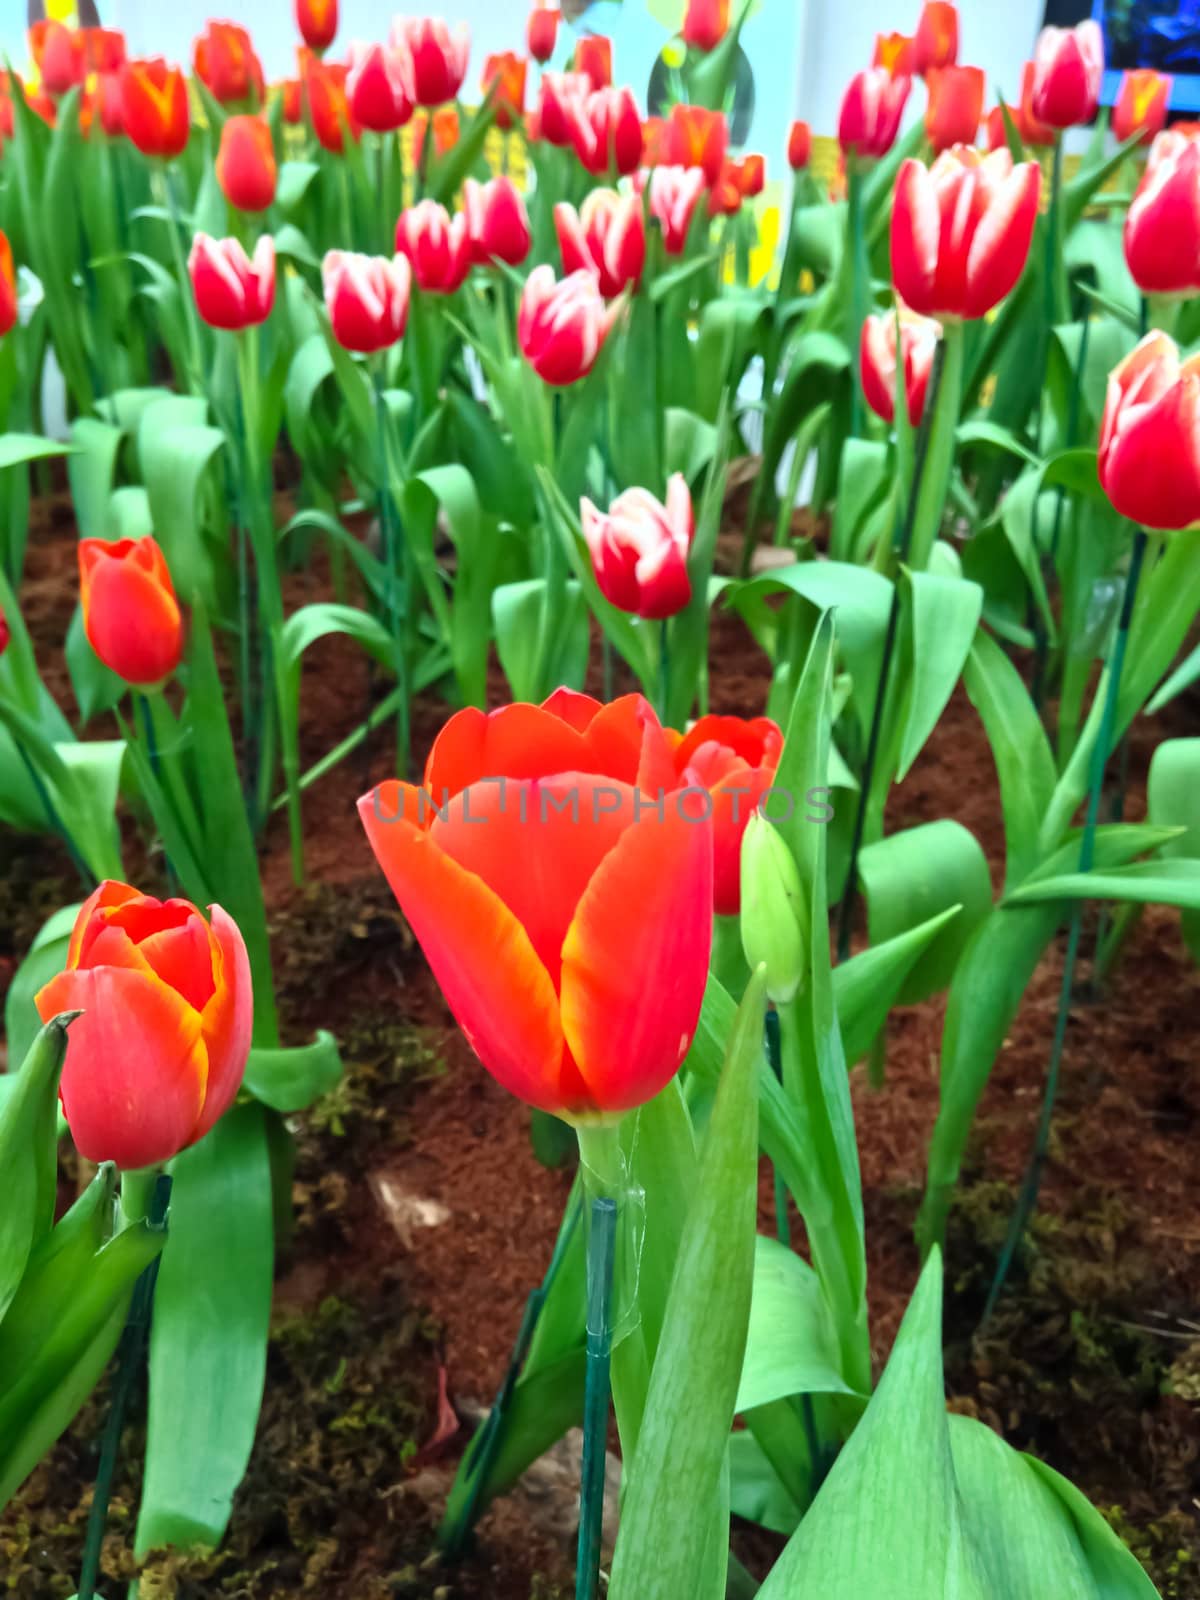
(783,1227)
(129,1360)
(1111,685)
(175,227)
(664,671)
(859,284)
(901,543)
(597,1390)
(391,555)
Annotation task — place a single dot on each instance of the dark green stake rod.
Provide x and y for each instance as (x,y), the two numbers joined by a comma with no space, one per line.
(129,1363)
(601,1249)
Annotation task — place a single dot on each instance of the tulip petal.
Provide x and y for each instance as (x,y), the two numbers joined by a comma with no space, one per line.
(134,1080)
(227,1021)
(517,741)
(108,893)
(635,959)
(483,959)
(916,225)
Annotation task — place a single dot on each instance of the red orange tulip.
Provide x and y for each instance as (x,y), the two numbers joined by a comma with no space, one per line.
(1162,226)
(705,23)
(639,549)
(799,146)
(317,21)
(561,327)
(1068,65)
(60,54)
(564,912)
(877,362)
(696,138)
(935,43)
(1141,104)
(232,290)
(130,613)
(158,1054)
(961,230)
(593,58)
(607,236)
(507,71)
(225,61)
(154,107)
(955,106)
(735,760)
(325,87)
(367,298)
(246,168)
(541,31)
(1149,460)
(895,53)
(8,287)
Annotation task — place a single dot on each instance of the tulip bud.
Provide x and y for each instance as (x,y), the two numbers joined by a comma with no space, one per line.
(593,58)
(639,549)
(507,71)
(157,1056)
(870,113)
(705,23)
(955,106)
(154,107)
(438,53)
(561,327)
(607,235)
(1141,104)
(317,21)
(367,298)
(799,146)
(1149,461)
(377,87)
(225,62)
(735,759)
(935,43)
(541,32)
(725,196)
(437,246)
(231,289)
(246,169)
(1162,226)
(1068,66)
(293,103)
(877,362)
(497,222)
(752,175)
(130,613)
(674,194)
(8,287)
(772,914)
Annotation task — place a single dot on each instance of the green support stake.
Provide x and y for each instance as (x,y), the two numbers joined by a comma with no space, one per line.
(601,1249)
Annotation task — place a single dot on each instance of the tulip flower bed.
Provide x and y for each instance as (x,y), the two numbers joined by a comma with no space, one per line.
(513,926)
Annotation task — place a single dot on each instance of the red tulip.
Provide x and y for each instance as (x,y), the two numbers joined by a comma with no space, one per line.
(606,131)
(60,54)
(593,58)
(317,21)
(674,195)
(955,106)
(752,175)
(607,235)
(936,41)
(725,196)
(877,362)
(154,107)
(697,138)
(497,222)
(705,23)
(654,141)
(328,106)
(439,56)
(377,87)
(293,102)
(246,167)
(105,49)
(560,91)
(564,911)
(541,31)
(1141,104)
(896,53)
(157,1056)
(799,146)
(367,299)
(8,287)
(437,246)
(232,290)
(6,109)
(106,103)
(1149,461)
(507,71)
(735,760)
(561,327)
(639,549)
(871,110)
(225,61)
(961,230)
(130,613)
(1029,130)
(1162,227)
(1068,65)
(5,632)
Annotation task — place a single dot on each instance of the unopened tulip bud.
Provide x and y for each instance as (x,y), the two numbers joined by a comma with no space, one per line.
(772,910)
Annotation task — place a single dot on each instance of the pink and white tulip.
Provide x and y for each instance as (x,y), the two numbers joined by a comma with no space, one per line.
(379,86)
(367,299)
(437,245)
(605,130)
(674,195)
(562,326)
(607,235)
(438,54)
(232,290)
(639,549)
(1068,66)
(497,222)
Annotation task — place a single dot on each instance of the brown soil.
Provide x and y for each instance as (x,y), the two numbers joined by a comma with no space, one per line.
(1092,1361)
